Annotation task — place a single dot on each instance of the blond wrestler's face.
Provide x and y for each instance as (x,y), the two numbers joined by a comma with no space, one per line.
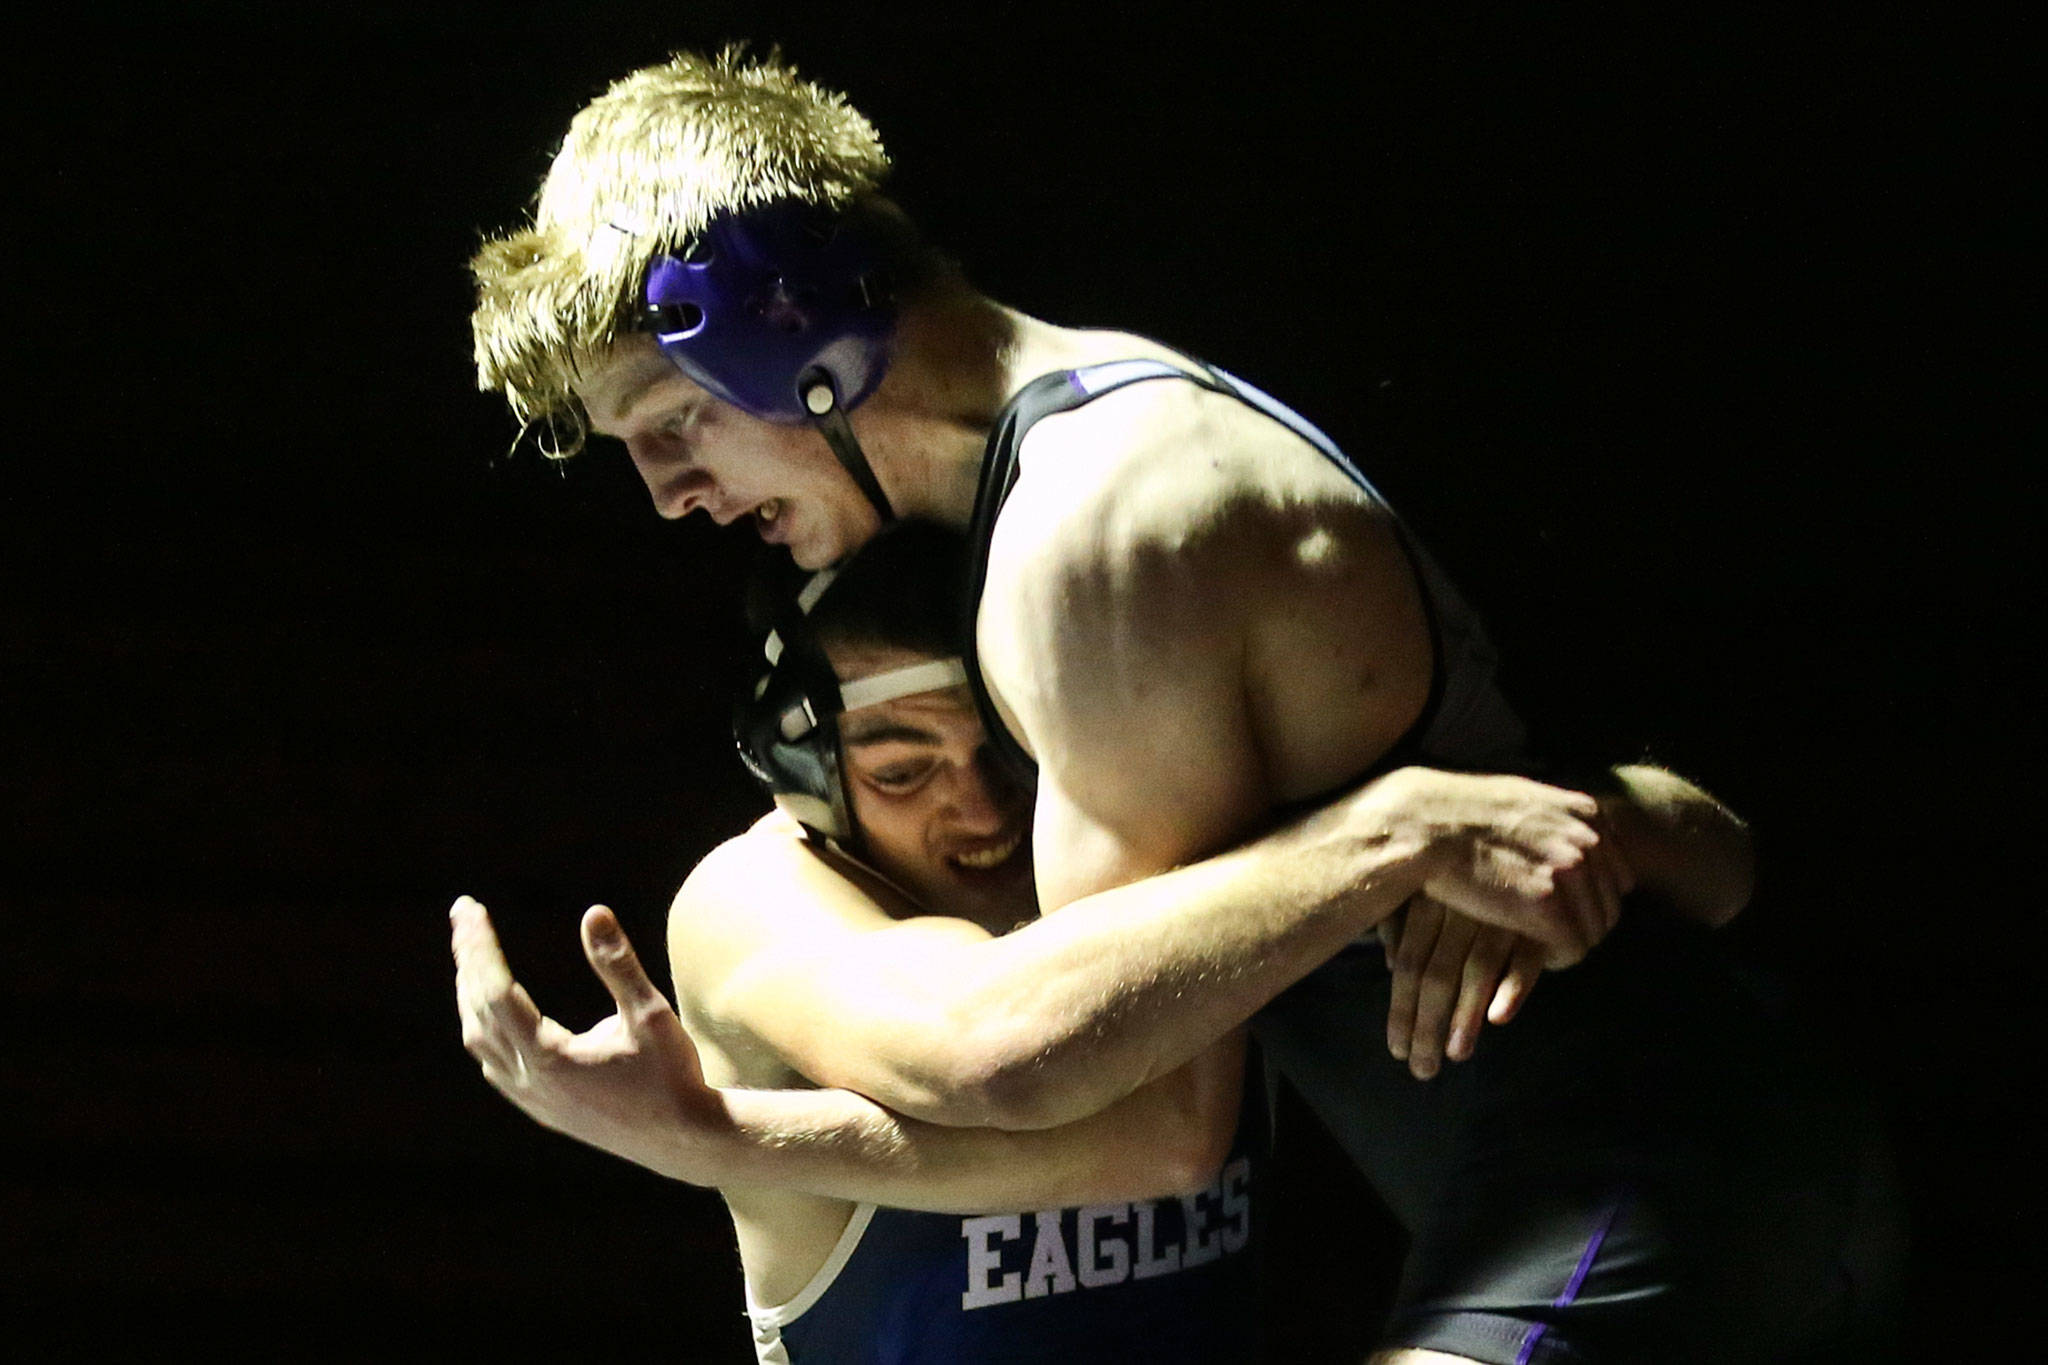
(696,452)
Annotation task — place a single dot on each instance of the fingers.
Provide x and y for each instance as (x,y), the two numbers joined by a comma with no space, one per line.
(1484,964)
(1440,990)
(1580,804)
(1525,964)
(1422,918)
(1611,845)
(612,957)
(499,1019)
(1578,913)
(479,961)
(1607,878)
(1591,894)
(1575,918)
(1617,876)
(1389,930)
(1442,994)
(1436,996)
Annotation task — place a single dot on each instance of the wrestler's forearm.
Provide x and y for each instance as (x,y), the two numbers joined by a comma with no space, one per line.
(1685,847)
(1155,1142)
(1123,986)
(1117,988)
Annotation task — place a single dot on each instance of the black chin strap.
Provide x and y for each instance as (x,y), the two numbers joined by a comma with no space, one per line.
(829,418)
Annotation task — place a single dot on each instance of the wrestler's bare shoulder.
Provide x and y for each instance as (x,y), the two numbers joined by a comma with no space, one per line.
(1169,540)
(775,859)
(761,893)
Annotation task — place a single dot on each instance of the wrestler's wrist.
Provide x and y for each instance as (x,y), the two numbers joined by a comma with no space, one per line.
(1391,825)
(707,1143)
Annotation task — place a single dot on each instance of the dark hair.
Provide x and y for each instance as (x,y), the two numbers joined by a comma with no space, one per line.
(906,588)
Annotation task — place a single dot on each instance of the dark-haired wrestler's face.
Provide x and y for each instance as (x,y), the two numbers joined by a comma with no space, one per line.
(939,816)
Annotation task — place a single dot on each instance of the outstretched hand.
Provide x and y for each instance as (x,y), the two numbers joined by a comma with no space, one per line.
(631,1085)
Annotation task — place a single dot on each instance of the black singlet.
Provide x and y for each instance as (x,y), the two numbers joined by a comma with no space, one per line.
(1640,1167)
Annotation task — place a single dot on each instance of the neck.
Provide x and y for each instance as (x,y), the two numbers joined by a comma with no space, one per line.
(959,358)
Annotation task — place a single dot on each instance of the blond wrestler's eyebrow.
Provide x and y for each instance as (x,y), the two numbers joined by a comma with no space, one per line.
(653,373)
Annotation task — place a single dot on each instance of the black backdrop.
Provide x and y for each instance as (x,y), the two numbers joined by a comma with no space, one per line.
(1691,344)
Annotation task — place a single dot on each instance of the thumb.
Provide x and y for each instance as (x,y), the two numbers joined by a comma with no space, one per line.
(616,964)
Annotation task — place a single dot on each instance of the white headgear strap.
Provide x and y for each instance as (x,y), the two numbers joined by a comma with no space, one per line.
(901,682)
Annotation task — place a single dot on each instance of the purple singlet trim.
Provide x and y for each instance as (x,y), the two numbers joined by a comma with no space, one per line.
(1571,1287)
(1074,382)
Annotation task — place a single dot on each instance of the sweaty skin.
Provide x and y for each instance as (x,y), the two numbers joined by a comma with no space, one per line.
(1184,641)
(1191,619)
(936,818)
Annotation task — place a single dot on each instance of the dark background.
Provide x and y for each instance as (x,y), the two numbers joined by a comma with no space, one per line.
(1691,342)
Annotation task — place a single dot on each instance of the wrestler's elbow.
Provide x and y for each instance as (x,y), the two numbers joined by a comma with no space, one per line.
(1012,1088)
(1017,1063)
(1738,883)
(1720,878)
(950,1067)
(1685,847)
(1019,1072)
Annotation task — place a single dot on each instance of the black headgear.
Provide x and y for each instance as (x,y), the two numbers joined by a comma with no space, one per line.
(787,724)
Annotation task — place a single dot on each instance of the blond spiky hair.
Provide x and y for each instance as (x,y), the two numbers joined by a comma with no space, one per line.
(645,168)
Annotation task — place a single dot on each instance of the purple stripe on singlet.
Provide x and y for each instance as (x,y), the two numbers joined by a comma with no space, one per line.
(1571,1286)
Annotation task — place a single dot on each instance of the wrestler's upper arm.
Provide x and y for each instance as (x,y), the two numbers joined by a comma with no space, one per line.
(775,950)
(1210,621)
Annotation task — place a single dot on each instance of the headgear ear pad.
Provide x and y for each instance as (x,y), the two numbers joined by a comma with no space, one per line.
(787,726)
(768,302)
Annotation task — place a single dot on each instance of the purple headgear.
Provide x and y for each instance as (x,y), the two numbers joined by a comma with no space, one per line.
(784,312)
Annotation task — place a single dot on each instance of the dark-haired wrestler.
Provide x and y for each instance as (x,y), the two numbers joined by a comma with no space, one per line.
(907,1242)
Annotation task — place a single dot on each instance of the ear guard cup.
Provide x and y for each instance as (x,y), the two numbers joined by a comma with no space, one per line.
(787,725)
(769,302)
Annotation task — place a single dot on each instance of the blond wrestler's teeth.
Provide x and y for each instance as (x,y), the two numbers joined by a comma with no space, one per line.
(769,510)
(994,856)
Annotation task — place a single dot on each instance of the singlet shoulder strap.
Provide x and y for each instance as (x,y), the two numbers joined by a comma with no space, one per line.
(1059,391)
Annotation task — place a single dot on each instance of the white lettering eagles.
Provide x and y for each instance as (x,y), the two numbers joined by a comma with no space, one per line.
(1103,1252)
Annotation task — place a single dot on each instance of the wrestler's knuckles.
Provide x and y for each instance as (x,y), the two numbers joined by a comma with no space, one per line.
(1494,848)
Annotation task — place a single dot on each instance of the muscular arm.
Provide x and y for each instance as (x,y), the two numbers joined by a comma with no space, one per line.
(634,1085)
(1166,1138)
(1666,837)
(936,1019)
(782,957)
